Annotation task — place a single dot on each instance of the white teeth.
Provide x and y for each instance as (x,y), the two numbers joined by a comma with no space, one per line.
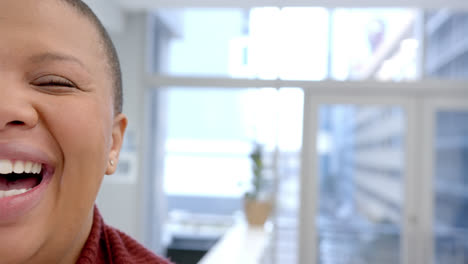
(28,166)
(7,167)
(13,192)
(18,167)
(36,168)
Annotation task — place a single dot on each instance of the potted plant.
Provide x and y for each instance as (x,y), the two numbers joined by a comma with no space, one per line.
(257,201)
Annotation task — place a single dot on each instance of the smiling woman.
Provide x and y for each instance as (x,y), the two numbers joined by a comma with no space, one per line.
(61,130)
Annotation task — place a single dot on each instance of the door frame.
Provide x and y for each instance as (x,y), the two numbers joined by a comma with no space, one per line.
(431,106)
(419,106)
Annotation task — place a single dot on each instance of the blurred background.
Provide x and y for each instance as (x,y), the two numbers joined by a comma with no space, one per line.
(361,109)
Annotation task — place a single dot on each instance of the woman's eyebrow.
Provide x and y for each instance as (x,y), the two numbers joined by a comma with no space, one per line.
(50,56)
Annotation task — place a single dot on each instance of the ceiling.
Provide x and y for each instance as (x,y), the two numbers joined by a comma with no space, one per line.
(111,12)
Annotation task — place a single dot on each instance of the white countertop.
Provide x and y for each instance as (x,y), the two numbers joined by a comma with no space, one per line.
(242,244)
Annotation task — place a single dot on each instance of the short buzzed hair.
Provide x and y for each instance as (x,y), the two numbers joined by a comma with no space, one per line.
(109,50)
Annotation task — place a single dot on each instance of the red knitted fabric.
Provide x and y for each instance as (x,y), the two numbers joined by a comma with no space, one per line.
(107,245)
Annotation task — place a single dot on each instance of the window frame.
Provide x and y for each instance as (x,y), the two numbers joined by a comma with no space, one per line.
(420,99)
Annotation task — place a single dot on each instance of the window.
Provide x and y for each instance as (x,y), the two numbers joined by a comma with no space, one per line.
(365,139)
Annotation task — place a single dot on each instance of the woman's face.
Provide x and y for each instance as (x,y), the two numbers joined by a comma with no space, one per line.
(56,110)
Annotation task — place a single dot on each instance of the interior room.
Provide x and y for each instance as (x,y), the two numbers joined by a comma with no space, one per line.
(347,119)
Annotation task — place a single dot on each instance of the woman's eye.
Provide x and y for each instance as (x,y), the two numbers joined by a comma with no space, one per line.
(53,81)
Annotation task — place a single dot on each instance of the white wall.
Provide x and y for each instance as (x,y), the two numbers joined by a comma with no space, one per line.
(110,13)
(121,201)
(131,202)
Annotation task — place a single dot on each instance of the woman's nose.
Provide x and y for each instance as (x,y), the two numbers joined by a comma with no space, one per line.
(16,110)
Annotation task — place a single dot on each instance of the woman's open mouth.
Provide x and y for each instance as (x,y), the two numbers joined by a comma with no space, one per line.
(23,184)
(18,177)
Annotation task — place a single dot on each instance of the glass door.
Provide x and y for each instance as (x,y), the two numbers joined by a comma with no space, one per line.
(357,177)
(361,183)
(450,182)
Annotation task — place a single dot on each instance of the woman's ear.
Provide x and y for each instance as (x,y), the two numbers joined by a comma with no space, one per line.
(118,132)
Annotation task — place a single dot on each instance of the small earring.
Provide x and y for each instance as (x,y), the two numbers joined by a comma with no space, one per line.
(111,162)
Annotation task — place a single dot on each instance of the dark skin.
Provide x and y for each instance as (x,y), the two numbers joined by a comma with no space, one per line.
(56,96)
